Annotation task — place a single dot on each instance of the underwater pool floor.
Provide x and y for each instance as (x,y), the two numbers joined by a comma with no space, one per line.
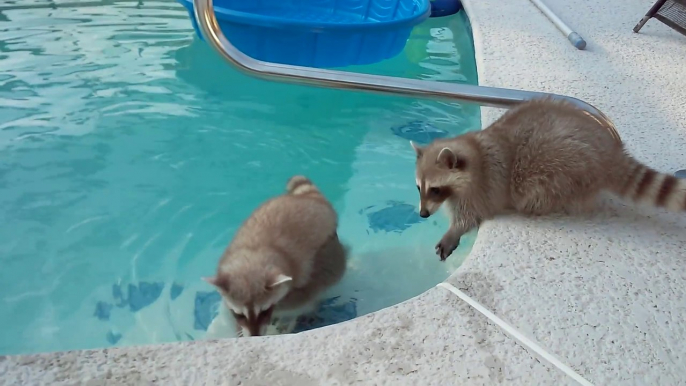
(603,293)
(130,154)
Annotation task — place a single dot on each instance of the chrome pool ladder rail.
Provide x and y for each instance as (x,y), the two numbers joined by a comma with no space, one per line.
(481,95)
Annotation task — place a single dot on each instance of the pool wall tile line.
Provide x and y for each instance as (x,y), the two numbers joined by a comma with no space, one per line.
(176,291)
(138,296)
(421,132)
(103,310)
(205,309)
(394,217)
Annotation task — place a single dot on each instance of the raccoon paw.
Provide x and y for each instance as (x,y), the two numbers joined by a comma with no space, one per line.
(446,246)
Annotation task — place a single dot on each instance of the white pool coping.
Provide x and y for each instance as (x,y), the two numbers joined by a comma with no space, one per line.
(606,293)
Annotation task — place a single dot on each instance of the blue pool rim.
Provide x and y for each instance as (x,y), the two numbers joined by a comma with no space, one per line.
(247,18)
(312,41)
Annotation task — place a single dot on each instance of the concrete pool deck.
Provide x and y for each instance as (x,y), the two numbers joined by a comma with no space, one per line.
(604,293)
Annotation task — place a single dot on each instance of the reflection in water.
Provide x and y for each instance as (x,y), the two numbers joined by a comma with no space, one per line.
(131,153)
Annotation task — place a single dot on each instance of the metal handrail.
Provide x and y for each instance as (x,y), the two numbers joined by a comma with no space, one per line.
(485,96)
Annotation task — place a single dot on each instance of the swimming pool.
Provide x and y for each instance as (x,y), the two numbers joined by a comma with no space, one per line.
(130,153)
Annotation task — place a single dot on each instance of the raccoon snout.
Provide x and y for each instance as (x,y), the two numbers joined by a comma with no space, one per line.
(424,213)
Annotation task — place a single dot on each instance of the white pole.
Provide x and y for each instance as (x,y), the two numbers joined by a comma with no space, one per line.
(518,336)
(573,37)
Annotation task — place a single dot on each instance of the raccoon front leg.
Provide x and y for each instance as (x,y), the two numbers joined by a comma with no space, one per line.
(449,242)
(451,239)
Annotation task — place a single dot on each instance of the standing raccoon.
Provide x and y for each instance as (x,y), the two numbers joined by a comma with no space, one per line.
(284,255)
(541,157)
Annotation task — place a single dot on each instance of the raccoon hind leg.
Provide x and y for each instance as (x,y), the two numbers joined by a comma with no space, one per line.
(556,194)
(566,177)
(582,205)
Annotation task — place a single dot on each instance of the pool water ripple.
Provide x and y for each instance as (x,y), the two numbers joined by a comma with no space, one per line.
(130,153)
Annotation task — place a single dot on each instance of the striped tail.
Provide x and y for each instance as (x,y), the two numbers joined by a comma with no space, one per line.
(301,186)
(646,186)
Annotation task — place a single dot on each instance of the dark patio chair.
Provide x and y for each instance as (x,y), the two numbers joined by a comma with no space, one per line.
(670,12)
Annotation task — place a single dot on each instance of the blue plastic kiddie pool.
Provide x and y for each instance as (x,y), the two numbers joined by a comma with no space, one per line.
(318,33)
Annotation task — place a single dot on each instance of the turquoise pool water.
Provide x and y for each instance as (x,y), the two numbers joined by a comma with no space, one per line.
(130,153)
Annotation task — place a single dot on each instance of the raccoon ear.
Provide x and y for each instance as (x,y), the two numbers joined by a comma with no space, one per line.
(417,149)
(450,160)
(219,283)
(280,279)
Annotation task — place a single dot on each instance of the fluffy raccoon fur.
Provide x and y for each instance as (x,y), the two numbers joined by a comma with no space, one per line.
(282,257)
(541,157)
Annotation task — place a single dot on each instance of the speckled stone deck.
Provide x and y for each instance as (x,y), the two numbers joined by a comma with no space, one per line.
(605,293)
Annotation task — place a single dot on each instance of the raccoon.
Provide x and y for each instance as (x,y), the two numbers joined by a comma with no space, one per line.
(284,255)
(541,157)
